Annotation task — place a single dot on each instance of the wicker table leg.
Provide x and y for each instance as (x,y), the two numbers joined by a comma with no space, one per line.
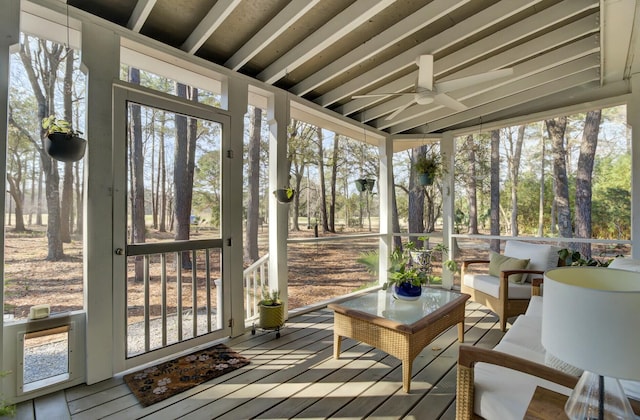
(461,332)
(337,341)
(407,364)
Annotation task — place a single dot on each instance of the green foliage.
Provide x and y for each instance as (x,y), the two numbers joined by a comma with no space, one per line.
(574,258)
(428,163)
(401,270)
(6,409)
(270,298)
(370,260)
(289,191)
(55,125)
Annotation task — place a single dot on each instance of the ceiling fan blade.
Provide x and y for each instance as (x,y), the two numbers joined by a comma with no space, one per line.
(463,82)
(399,110)
(425,72)
(449,102)
(377,95)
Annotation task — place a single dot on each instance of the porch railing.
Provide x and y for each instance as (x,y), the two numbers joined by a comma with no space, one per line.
(256,277)
(164,314)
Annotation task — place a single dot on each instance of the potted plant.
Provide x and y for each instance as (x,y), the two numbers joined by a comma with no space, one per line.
(405,279)
(570,257)
(63,143)
(6,409)
(427,167)
(285,195)
(271,311)
(420,256)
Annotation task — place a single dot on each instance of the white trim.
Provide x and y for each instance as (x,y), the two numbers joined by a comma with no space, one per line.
(9,37)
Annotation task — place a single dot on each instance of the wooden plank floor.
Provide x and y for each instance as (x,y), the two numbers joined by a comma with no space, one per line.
(295,376)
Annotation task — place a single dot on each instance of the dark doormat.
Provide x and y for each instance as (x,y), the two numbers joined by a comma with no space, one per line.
(162,381)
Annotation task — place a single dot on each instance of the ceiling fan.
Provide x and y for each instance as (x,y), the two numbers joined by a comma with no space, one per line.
(427,92)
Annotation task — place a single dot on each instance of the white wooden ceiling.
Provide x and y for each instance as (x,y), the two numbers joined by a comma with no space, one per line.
(562,52)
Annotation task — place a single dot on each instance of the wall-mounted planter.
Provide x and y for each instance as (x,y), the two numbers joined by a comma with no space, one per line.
(65,147)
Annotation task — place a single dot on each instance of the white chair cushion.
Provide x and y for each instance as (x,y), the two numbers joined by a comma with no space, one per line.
(523,339)
(505,394)
(491,286)
(541,257)
(628,264)
(535,307)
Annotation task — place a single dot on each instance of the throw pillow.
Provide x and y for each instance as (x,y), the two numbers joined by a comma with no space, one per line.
(542,257)
(552,361)
(498,263)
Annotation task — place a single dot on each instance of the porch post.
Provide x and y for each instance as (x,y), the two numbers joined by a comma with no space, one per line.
(278,119)
(235,99)
(385,185)
(633,119)
(101,61)
(9,36)
(448,197)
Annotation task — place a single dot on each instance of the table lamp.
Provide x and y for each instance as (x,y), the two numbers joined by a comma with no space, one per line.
(591,320)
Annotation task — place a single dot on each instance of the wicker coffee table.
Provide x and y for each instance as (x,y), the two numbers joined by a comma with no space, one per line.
(400,328)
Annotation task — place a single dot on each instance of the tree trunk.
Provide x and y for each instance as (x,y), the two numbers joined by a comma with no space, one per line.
(66,218)
(584,181)
(471,186)
(514,169)
(253,177)
(16,193)
(395,220)
(52,180)
(184,164)
(416,197)
(136,158)
(43,70)
(556,129)
(334,174)
(495,190)
(323,189)
(33,188)
(541,198)
(79,199)
(163,182)
(39,199)
(299,174)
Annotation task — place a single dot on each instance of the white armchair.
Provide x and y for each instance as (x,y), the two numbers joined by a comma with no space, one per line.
(506,288)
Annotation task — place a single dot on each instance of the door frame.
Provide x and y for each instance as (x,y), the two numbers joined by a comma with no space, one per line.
(123,94)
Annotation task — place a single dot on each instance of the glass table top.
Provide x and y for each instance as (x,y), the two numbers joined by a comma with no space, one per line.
(384,305)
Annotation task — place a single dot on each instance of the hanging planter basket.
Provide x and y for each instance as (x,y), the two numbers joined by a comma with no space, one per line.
(365,184)
(65,147)
(425,179)
(284,195)
(370,184)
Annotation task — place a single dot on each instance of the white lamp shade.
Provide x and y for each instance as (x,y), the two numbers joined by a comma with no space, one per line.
(591,319)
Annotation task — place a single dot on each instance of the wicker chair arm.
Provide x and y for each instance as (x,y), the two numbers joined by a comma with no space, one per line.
(469,356)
